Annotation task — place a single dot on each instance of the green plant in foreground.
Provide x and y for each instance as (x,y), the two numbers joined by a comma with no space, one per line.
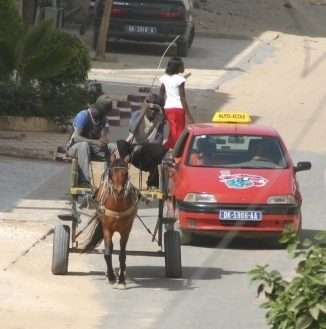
(301,302)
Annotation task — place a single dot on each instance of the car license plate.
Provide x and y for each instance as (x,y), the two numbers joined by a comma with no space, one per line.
(140,29)
(240,215)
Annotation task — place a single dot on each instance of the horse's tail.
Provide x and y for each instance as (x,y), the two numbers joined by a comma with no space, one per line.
(96,235)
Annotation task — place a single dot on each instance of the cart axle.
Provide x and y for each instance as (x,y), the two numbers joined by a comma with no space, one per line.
(116,252)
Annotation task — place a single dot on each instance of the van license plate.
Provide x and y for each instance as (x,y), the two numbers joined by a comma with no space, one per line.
(140,29)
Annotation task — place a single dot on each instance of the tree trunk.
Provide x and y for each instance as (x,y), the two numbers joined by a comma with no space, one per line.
(28,11)
(101,42)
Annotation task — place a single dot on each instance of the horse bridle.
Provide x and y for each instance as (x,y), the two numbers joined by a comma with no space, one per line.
(126,188)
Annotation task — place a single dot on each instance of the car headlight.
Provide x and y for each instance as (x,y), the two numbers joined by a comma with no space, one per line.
(281,199)
(200,197)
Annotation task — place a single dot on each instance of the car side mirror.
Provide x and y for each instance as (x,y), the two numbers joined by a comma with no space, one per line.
(170,162)
(303,165)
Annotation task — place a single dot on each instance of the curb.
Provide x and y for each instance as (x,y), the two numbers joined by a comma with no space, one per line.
(27,153)
(202,34)
(44,236)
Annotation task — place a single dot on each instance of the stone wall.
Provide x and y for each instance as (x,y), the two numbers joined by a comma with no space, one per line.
(26,124)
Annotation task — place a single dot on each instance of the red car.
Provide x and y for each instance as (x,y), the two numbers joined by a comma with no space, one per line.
(230,178)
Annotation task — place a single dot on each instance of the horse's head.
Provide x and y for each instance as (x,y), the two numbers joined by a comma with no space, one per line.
(119,178)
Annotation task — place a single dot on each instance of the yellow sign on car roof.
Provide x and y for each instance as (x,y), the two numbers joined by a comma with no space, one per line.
(231,117)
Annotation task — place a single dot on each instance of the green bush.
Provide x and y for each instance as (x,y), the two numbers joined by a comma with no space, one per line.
(56,103)
(23,100)
(301,302)
(80,64)
(11,22)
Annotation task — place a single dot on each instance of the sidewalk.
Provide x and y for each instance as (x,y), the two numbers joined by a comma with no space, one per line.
(46,145)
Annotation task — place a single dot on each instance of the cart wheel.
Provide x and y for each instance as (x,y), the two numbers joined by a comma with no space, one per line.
(173,268)
(170,226)
(60,249)
(74,173)
(185,237)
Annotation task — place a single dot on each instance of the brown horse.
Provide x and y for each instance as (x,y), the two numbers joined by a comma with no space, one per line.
(117,206)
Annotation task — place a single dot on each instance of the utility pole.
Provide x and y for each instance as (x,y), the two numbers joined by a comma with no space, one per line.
(101,42)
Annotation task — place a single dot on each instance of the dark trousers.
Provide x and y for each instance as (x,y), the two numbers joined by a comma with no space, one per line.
(147,160)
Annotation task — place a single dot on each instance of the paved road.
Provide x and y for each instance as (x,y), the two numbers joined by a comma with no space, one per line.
(20,177)
(210,61)
(213,292)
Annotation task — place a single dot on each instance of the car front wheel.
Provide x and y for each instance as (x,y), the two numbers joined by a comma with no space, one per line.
(185,237)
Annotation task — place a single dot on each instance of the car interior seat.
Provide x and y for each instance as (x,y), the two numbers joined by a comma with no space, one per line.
(254,146)
(204,146)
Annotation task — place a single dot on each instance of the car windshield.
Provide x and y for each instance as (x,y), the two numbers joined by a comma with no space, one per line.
(235,151)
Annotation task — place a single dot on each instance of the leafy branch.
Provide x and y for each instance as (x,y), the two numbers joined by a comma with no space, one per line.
(301,302)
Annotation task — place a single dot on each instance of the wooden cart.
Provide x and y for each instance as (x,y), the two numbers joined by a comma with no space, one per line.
(167,239)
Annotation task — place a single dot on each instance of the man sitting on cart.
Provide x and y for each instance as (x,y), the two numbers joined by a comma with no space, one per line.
(89,140)
(144,143)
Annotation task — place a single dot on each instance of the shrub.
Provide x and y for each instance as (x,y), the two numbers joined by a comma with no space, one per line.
(22,100)
(11,22)
(80,64)
(301,302)
(56,103)
(62,103)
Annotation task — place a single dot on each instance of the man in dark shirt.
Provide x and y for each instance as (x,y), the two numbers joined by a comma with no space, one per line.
(145,140)
(89,140)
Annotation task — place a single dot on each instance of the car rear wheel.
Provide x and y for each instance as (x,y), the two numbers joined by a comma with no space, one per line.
(182,49)
(185,237)
(191,36)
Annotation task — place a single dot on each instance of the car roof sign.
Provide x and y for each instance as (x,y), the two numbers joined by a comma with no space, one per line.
(228,117)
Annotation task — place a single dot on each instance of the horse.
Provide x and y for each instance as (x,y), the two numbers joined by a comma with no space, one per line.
(117,206)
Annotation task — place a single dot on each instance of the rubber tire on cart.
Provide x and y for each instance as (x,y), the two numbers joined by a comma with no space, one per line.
(185,237)
(60,249)
(173,268)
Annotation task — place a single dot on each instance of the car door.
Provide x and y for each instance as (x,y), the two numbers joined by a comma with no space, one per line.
(179,154)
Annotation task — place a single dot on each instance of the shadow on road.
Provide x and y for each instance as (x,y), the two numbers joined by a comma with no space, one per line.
(152,276)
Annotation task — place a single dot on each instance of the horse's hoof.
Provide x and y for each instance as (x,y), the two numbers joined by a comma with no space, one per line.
(111,281)
(122,286)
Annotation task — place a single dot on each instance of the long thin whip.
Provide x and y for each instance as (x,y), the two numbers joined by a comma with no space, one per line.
(150,91)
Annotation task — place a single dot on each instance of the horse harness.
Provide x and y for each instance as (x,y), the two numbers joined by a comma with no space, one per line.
(129,191)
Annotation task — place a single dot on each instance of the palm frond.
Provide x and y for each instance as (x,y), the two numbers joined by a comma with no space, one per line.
(36,38)
(48,64)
